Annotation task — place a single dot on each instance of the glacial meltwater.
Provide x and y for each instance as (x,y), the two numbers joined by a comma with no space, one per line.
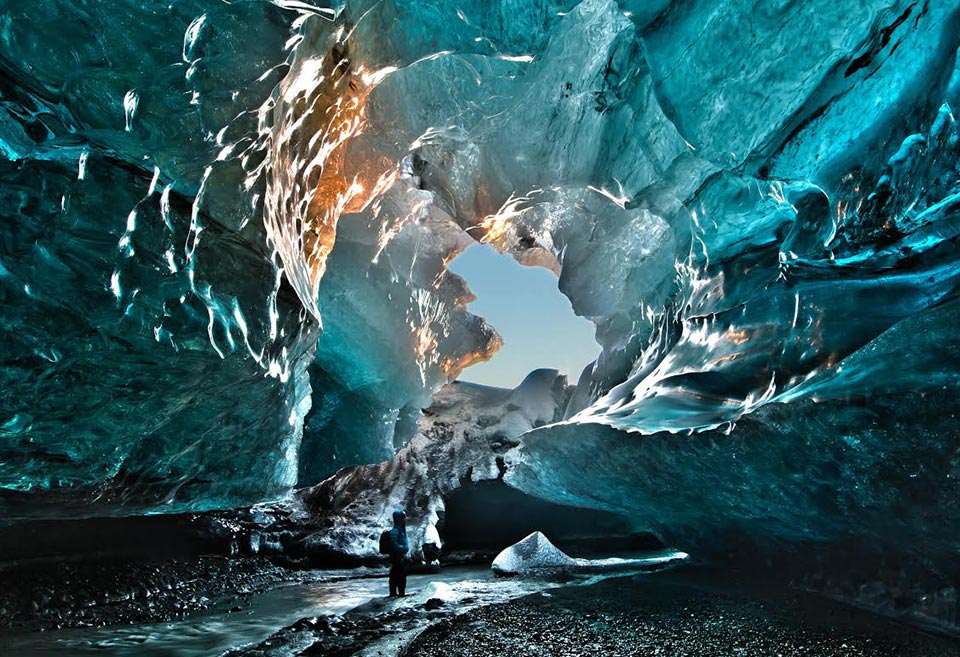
(224,628)
(217,630)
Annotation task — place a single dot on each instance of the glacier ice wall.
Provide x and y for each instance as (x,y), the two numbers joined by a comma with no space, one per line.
(722,188)
(880,468)
(152,355)
(217,216)
(170,196)
(755,204)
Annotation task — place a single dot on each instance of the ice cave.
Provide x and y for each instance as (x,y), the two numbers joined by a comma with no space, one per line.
(250,253)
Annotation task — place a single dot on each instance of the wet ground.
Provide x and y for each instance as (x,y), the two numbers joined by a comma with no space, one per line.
(467,611)
(667,615)
(53,595)
(216,630)
(332,612)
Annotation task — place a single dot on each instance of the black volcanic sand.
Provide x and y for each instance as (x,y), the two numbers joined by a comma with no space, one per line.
(46,596)
(660,616)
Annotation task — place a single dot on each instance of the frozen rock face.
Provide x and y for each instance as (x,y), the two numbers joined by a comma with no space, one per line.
(533,554)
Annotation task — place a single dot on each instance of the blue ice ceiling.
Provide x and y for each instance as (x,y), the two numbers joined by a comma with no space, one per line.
(225,227)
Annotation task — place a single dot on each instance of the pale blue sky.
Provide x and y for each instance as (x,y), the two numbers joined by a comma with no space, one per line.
(536,321)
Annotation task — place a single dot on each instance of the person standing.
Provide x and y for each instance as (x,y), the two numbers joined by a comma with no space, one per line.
(399,546)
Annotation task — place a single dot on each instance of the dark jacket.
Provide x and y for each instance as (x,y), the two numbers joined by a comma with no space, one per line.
(399,545)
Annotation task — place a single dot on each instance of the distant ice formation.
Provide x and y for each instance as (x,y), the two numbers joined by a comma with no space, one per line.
(535,553)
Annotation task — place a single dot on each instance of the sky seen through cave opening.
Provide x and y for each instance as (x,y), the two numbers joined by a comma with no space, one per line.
(535,319)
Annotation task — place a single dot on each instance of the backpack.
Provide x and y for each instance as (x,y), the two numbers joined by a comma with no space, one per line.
(385,542)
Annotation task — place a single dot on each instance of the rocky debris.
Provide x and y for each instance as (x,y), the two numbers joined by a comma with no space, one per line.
(98,593)
(330,637)
(378,621)
(657,617)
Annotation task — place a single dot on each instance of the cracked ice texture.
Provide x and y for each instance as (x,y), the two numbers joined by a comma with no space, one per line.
(739,195)
(151,356)
(742,197)
(169,190)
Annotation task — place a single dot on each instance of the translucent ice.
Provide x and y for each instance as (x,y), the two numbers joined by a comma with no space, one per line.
(215,217)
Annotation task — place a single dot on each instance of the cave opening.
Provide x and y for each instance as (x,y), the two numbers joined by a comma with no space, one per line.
(535,319)
(486,516)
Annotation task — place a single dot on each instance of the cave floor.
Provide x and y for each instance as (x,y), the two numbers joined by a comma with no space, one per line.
(325,609)
(671,615)
(467,611)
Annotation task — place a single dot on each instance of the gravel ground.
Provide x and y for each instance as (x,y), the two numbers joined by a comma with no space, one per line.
(49,596)
(658,616)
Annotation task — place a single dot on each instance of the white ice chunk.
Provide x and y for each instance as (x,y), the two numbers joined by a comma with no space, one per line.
(533,553)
